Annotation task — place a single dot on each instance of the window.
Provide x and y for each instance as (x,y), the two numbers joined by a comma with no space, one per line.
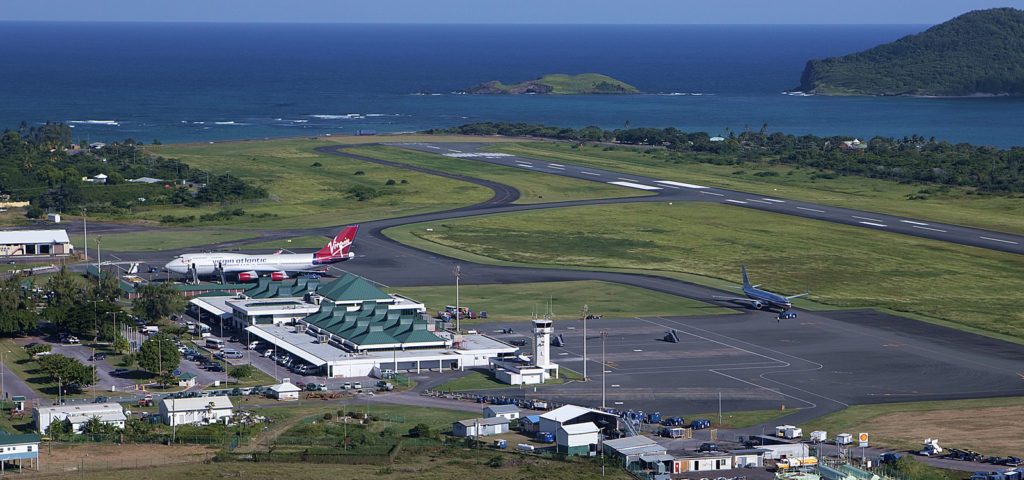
(30,448)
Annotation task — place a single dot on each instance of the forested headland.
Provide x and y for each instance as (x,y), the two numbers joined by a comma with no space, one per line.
(42,166)
(978,53)
(909,159)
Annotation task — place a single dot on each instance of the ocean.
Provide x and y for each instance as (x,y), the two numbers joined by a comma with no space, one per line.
(178,82)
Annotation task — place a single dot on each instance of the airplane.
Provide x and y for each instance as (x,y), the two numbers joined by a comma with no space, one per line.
(759,299)
(279,265)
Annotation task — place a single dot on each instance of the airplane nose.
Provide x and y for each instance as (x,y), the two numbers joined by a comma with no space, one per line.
(171,267)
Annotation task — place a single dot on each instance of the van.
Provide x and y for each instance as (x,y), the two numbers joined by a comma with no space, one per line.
(254,345)
(214,343)
(231,353)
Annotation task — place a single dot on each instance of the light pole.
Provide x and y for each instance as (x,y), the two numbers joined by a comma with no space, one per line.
(586,313)
(458,313)
(99,263)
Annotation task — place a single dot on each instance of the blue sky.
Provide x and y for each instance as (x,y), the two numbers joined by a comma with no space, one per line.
(494,11)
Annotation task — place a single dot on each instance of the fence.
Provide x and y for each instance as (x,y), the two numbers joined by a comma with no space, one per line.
(160,438)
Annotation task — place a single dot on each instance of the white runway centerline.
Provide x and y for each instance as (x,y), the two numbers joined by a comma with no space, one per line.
(679,184)
(998,240)
(811,209)
(590,173)
(875,224)
(735,201)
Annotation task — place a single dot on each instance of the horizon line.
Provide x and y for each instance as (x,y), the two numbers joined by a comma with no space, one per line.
(229,22)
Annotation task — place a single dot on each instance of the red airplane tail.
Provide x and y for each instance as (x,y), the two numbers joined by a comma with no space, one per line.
(338,249)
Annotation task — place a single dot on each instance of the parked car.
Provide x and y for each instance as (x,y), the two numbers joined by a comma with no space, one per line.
(120,371)
(300,384)
(98,356)
(215,367)
(100,399)
(708,447)
(357,385)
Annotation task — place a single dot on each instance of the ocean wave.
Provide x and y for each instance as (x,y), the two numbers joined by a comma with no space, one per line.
(113,123)
(230,122)
(346,116)
(798,94)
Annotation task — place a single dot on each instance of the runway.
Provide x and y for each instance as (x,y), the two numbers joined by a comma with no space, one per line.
(678,190)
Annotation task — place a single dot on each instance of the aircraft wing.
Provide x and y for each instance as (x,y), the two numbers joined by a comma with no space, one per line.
(801,295)
(736,299)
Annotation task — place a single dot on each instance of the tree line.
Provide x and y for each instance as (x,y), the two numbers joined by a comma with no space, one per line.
(908,159)
(40,165)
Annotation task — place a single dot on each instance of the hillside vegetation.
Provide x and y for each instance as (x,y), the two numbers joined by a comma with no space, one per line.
(978,53)
(557,84)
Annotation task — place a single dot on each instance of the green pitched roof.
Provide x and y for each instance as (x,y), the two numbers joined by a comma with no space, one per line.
(18,439)
(373,324)
(350,287)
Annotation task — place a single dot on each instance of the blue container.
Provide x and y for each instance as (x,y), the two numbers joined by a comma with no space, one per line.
(546,437)
(483,314)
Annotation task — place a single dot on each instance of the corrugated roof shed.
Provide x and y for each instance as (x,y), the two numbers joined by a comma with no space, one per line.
(33,236)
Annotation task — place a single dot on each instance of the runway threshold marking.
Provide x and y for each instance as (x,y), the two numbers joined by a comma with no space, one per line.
(810,209)
(998,240)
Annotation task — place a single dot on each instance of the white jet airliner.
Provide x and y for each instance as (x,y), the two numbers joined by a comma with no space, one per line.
(278,265)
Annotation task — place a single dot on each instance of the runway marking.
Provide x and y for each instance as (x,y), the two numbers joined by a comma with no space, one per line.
(589,173)
(998,240)
(810,209)
(615,385)
(894,345)
(913,222)
(524,165)
(713,193)
(629,179)
(638,186)
(618,403)
(759,201)
(929,228)
(734,201)
(773,200)
(564,353)
(679,184)
(556,168)
(867,218)
(520,162)
(875,224)
(637,350)
(556,165)
(434,147)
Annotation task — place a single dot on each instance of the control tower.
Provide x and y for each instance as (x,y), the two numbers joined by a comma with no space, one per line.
(542,330)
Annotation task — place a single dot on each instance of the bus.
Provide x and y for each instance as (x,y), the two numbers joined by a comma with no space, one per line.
(214,343)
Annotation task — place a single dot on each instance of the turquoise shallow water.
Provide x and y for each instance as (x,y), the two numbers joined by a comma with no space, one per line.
(207,82)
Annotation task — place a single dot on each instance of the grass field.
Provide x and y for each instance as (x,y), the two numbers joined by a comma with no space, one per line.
(313,196)
(160,240)
(311,241)
(731,420)
(535,187)
(949,205)
(518,301)
(905,425)
(965,287)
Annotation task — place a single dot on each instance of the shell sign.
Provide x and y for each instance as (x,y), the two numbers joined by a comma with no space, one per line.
(863,438)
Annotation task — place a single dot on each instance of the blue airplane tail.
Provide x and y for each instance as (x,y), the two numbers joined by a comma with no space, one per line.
(746,283)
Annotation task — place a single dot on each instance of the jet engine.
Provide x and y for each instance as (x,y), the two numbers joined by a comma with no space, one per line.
(276,276)
(248,276)
(757,305)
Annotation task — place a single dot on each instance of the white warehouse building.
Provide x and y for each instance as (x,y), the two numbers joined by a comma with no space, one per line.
(198,410)
(78,415)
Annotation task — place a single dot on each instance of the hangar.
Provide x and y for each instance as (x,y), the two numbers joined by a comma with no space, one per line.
(35,243)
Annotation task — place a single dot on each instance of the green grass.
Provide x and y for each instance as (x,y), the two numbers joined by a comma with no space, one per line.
(6,267)
(534,187)
(949,205)
(159,240)
(518,301)
(315,196)
(481,381)
(569,374)
(731,420)
(964,287)
(24,367)
(310,241)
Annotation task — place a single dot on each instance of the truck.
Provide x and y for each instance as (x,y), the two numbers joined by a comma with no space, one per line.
(819,436)
(791,463)
(385,386)
(844,439)
(788,431)
(931,447)
(700,424)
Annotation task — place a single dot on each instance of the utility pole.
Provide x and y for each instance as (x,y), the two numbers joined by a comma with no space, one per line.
(458,313)
(99,264)
(85,234)
(586,313)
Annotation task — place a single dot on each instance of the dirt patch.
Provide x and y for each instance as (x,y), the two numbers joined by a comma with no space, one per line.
(989,431)
(91,457)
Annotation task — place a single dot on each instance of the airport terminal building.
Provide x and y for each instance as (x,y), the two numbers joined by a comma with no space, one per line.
(348,327)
